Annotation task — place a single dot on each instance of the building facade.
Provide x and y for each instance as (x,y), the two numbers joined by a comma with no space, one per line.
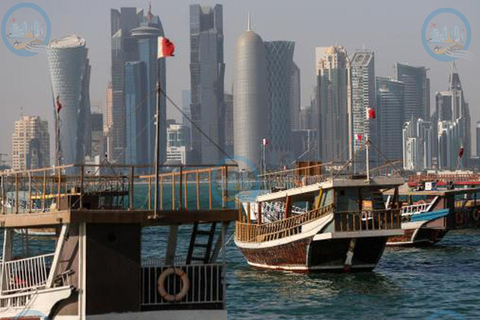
(417,91)
(70,79)
(295,96)
(390,114)
(250,98)
(30,144)
(279,57)
(207,70)
(331,96)
(229,140)
(417,145)
(362,95)
(98,140)
(178,143)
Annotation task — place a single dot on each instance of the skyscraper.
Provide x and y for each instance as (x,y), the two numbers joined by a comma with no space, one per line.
(417,91)
(31,144)
(134,39)
(70,77)
(250,97)
(362,83)
(390,109)
(207,70)
(295,97)
(136,91)
(478,138)
(331,95)
(279,57)
(417,145)
(453,125)
(229,123)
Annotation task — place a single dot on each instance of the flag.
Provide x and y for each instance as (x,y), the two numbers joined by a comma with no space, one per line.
(460,152)
(358,137)
(265,142)
(166,48)
(59,105)
(370,113)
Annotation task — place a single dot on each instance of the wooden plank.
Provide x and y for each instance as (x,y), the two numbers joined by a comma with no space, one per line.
(34,219)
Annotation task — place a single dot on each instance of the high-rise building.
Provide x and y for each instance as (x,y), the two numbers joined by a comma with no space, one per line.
(295,97)
(186,107)
(229,123)
(135,39)
(331,96)
(390,108)
(136,91)
(362,95)
(178,143)
(250,98)
(417,91)
(123,48)
(31,144)
(279,57)
(70,77)
(417,145)
(207,70)
(478,138)
(96,126)
(454,123)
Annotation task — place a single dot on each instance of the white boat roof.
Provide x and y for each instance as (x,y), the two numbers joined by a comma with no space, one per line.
(380,182)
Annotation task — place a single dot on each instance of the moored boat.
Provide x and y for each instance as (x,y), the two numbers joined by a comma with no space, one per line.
(334,224)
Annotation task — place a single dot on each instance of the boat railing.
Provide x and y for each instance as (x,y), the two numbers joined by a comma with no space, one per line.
(367,220)
(186,284)
(415,208)
(251,232)
(115,187)
(444,177)
(26,274)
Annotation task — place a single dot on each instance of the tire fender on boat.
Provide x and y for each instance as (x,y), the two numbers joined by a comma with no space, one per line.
(459,218)
(161,284)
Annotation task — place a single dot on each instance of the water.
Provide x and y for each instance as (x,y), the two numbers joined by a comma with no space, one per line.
(408,283)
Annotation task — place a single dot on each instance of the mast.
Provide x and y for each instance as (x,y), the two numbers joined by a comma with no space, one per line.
(367,157)
(157,150)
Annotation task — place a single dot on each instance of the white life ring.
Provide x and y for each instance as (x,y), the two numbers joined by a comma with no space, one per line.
(161,284)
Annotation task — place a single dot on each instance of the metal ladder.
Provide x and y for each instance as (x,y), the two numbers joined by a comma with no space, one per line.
(207,246)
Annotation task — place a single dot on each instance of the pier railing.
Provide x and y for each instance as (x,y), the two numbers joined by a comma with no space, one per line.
(368,220)
(114,187)
(248,232)
(192,284)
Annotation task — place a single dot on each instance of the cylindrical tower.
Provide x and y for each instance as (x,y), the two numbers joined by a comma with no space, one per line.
(69,75)
(250,98)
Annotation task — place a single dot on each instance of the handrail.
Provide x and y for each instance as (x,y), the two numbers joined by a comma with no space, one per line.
(367,220)
(278,229)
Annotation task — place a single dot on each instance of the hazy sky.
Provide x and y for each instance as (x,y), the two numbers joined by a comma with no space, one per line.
(391,28)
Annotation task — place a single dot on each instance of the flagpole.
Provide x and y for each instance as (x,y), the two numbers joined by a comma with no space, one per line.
(157,151)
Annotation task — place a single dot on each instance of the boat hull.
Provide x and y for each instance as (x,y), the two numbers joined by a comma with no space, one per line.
(309,256)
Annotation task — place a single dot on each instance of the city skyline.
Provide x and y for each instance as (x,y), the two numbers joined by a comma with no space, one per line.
(234,25)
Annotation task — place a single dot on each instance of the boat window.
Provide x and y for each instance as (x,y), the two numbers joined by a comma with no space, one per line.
(347,199)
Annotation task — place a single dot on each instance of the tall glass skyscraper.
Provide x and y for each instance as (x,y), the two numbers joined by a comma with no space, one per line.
(362,82)
(134,39)
(135,92)
(332,102)
(70,79)
(417,91)
(207,70)
(390,109)
(279,57)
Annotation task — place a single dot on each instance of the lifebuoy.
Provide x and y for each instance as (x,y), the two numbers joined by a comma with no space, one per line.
(476,215)
(161,284)
(459,218)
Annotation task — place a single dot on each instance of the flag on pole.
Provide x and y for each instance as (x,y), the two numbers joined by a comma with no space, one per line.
(370,113)
(166,48)
(460,152)
(265,142)
(59,105)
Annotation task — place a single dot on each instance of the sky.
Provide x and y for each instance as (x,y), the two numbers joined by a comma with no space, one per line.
(392,29)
